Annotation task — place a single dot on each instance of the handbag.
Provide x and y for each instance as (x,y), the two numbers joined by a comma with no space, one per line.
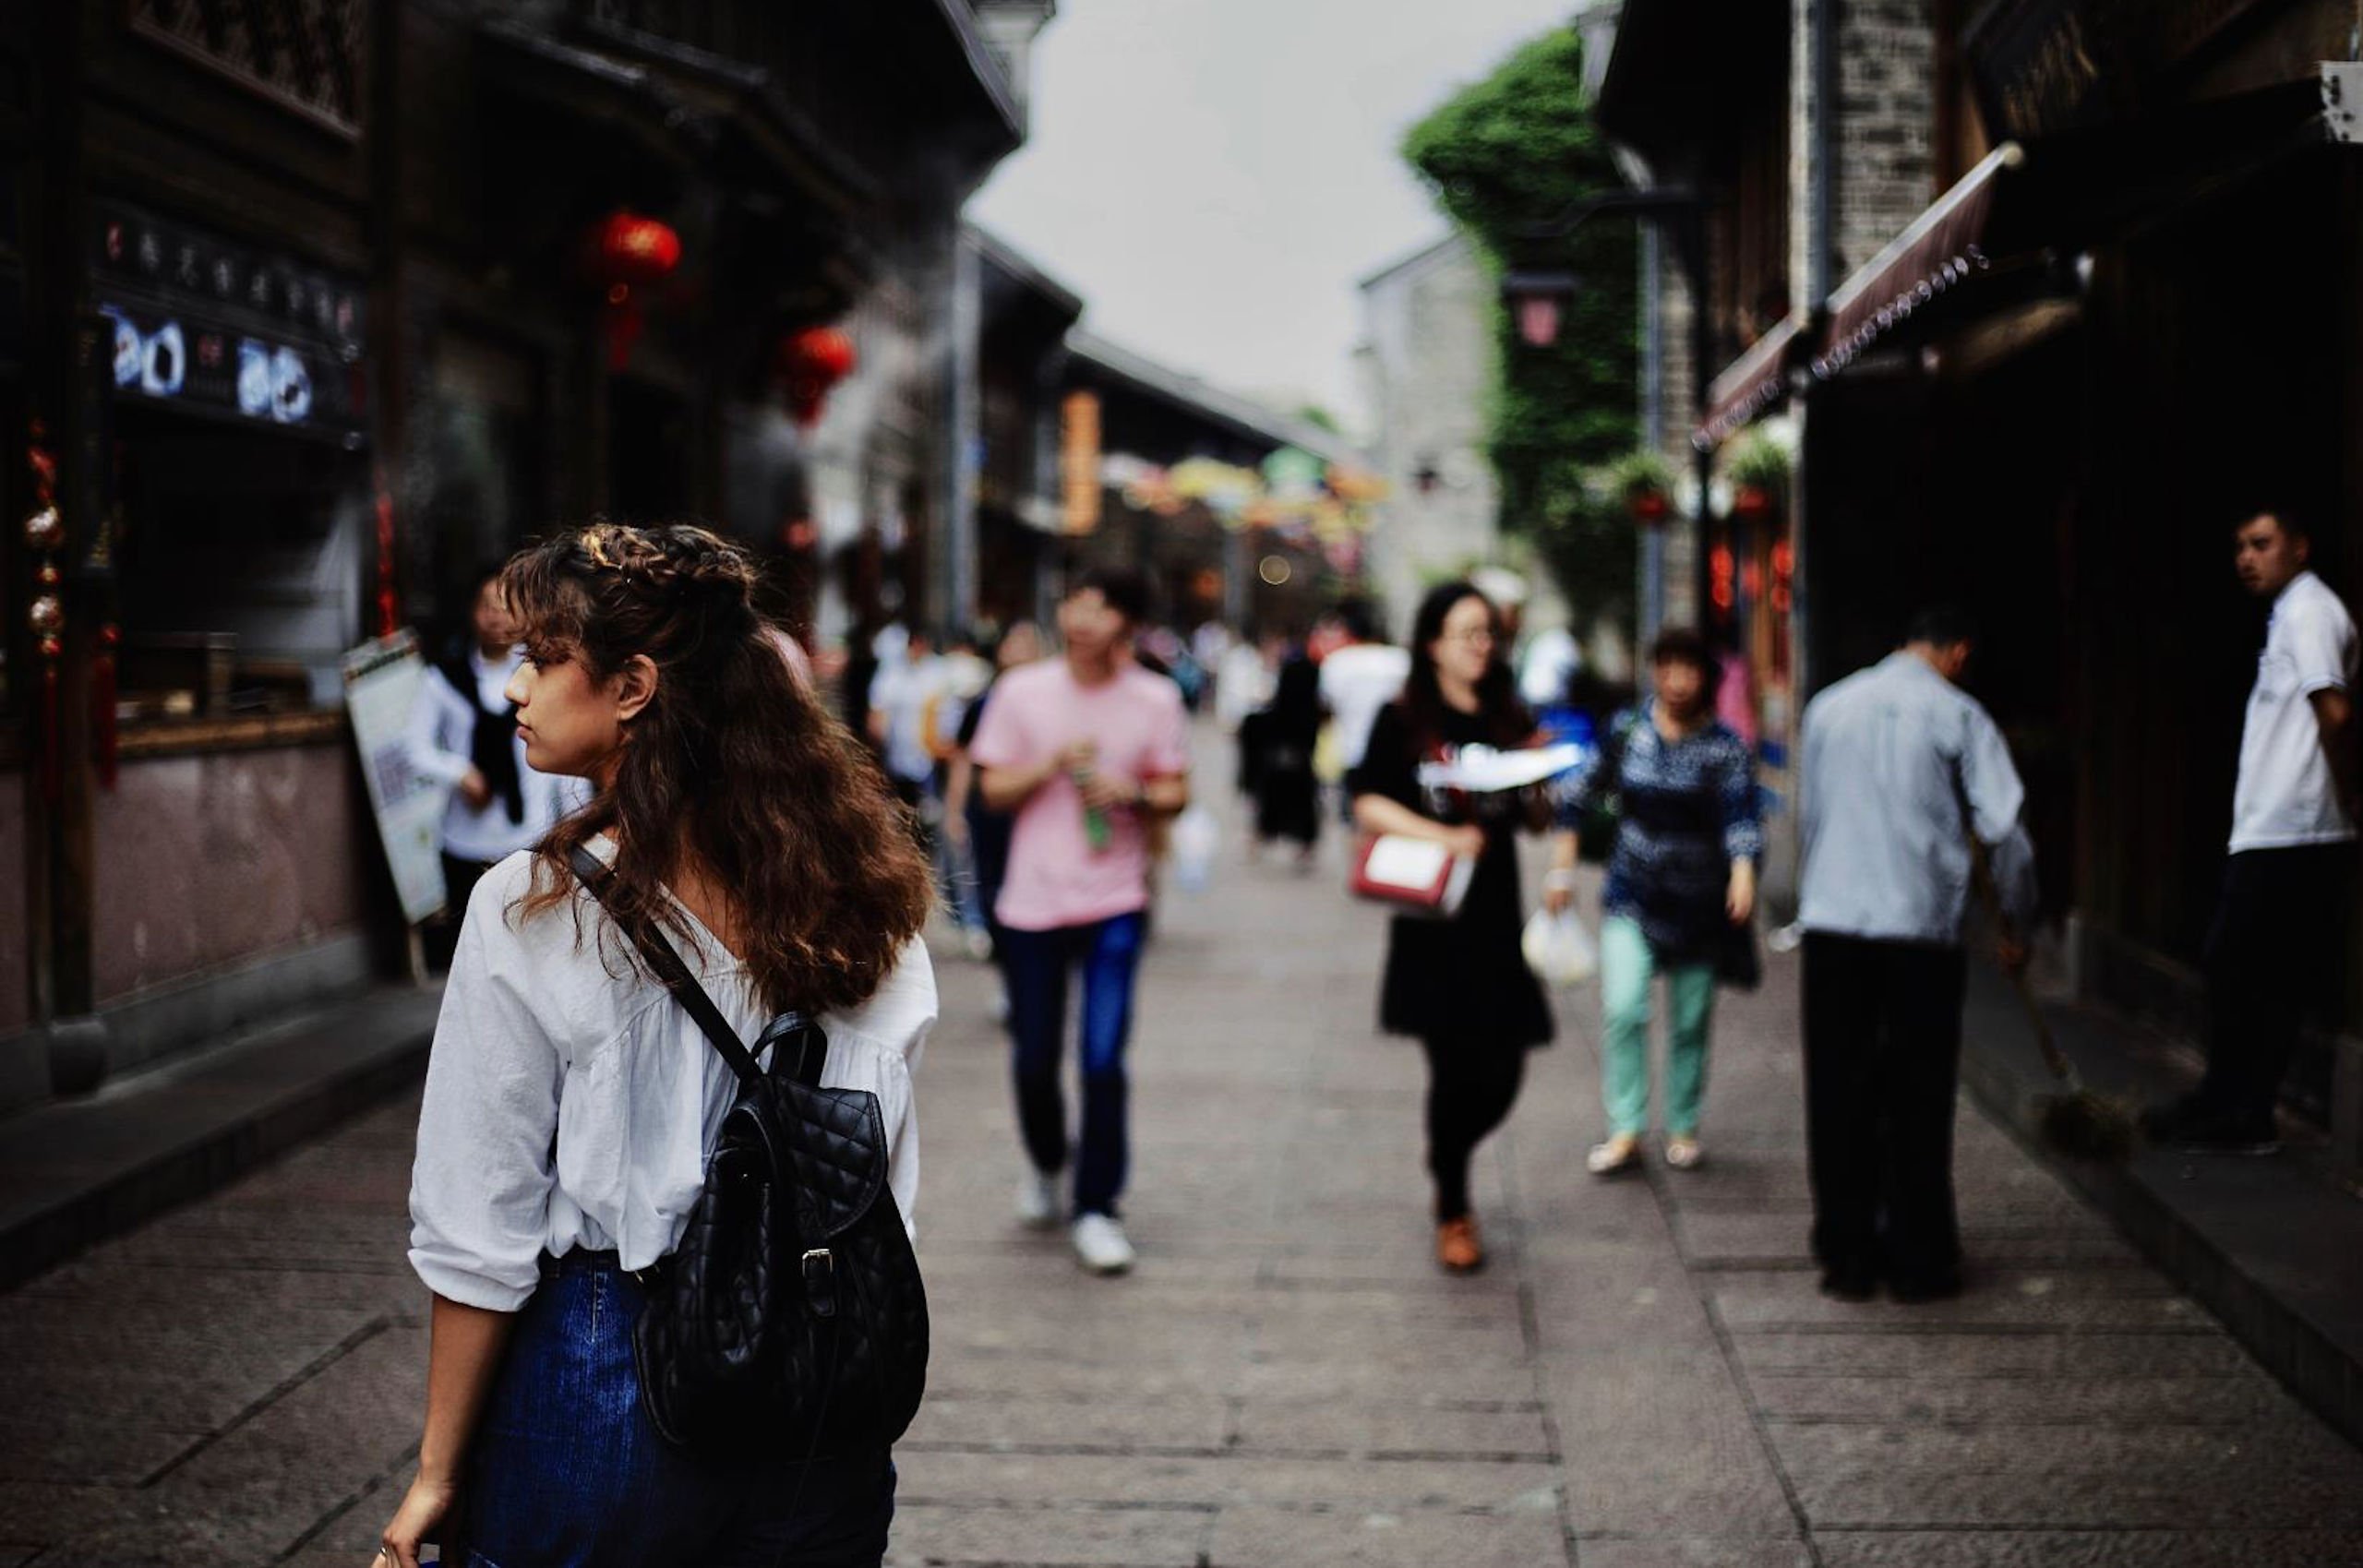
(791,1317)
(1603,812)
(1737,962)
(1412,876)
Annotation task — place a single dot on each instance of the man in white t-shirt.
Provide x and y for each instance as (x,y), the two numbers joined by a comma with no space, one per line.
(1359,679)
(2276,946)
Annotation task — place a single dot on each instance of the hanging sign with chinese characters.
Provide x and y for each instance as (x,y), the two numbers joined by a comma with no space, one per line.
(212,328)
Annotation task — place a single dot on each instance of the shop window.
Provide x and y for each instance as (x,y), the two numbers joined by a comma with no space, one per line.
(240,568)
(487,493)
(305,54)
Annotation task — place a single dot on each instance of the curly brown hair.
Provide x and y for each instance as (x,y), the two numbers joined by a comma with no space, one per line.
(733,766)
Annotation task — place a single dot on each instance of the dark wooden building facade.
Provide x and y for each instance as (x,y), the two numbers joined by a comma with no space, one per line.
(310,309)
(2117,313)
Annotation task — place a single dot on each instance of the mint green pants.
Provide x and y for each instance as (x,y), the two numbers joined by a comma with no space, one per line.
(1627,967)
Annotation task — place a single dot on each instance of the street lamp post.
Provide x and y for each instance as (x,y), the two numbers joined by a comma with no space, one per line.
(1537,297)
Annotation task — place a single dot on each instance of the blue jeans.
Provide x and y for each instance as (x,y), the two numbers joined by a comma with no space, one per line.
(566,1471)
(1109,952)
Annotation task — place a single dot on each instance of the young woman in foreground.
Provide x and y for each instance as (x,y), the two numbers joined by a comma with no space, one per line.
(572,1103)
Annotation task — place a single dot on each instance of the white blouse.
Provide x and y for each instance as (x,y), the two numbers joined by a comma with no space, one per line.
(572,1102)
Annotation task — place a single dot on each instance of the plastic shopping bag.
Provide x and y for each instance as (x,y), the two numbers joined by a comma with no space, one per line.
(1196,839)
(1559,947)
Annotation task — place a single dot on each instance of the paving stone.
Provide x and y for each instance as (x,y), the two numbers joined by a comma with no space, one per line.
(1101,1537)
(1117,1422)
(1361,1431)
(1258,1537)
(1662,1446)
(1367,1380)
(2252,1402)
(2202,1352)
(2060,1302)
(1067,1480)
(2157,1476)
(2091,1548)
(1693,1552)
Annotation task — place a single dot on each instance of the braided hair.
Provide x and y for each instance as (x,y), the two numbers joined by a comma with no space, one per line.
(733,769)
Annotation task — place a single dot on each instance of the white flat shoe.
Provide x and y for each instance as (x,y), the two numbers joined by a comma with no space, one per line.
(1684,1154)
(1620,1153)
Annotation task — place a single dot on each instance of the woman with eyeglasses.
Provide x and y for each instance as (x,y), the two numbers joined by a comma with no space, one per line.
(1458,986)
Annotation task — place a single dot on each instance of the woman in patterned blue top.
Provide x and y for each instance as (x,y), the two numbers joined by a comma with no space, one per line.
(1680,878)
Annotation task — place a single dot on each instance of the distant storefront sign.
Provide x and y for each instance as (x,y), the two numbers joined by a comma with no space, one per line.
(212,328)
(1079,463)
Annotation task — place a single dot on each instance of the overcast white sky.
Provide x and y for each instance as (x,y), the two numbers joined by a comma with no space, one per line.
(1214,176)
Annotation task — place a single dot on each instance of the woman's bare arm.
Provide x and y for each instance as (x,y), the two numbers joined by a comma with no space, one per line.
(463,1353)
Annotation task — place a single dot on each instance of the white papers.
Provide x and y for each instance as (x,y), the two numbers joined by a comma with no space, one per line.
(1480,769)
(1399,860)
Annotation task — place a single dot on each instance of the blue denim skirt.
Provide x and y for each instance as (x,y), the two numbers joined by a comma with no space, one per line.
(567,1472)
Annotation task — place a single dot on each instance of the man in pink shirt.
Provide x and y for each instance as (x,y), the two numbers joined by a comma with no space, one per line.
(1085,750)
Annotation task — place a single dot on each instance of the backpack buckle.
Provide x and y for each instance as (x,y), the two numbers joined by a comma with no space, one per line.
(821,1281)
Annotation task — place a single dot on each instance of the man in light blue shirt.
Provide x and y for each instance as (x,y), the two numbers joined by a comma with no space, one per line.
(1905,775)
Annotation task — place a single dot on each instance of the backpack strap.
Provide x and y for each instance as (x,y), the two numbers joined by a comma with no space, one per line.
(666,965)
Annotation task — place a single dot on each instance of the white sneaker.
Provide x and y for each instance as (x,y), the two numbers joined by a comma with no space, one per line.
(1038,1200)
(1099,1243)
(980,943)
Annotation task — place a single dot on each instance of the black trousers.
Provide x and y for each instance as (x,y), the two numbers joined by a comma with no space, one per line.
(1471,1090)
(2273,954)
(1882,1067)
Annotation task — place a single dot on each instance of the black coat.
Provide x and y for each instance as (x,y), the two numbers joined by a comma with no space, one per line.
(1463,980)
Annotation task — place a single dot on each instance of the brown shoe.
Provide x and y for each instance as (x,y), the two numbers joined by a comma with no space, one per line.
(1459,1251)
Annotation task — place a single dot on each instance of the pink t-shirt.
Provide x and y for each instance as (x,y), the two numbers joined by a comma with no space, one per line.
(1056,878)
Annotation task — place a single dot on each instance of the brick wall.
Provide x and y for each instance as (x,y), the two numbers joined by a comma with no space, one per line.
(1886,123)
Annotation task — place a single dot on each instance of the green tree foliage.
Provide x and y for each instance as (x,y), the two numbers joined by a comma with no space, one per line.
(1503,155)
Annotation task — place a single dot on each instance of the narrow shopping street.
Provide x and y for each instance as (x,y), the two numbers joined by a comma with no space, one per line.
(1646,1377)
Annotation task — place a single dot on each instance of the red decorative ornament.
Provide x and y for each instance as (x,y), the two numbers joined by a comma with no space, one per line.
(631,251)
(809,365)
(1649,506)
(389,618)
(623,252)
(1751,500)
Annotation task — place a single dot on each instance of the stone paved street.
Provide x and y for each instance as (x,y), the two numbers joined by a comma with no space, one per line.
(1647,1376)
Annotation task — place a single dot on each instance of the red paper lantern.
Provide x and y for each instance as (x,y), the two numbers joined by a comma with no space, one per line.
(628,251)
(1751,500)
(625,251)
(1649,506)
(810,363)
(824,353)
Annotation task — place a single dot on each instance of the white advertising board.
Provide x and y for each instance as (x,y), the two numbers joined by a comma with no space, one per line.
(381,680)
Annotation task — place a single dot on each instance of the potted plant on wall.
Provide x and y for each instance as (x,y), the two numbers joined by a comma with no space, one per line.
(1758,471)
(1643,481)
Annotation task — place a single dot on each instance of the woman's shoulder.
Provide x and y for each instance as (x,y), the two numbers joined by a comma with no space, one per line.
(499,896)
(899,1014)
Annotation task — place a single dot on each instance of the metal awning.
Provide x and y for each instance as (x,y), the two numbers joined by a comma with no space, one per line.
(1751,384)
(1943,248)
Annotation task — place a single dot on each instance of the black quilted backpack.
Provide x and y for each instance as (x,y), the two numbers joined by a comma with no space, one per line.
(790,1319)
